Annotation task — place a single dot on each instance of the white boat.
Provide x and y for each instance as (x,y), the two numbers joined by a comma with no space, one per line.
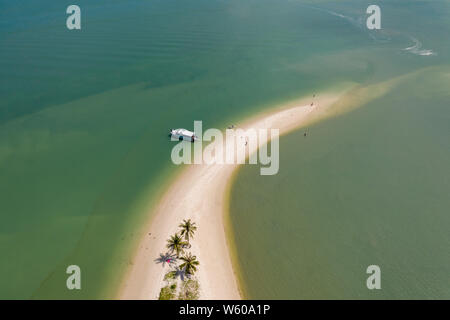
(183,134)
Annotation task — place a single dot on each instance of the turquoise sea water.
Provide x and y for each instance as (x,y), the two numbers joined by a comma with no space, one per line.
(84,118)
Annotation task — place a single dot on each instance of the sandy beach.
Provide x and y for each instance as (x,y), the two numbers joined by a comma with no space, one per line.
(199,193)
(95,185)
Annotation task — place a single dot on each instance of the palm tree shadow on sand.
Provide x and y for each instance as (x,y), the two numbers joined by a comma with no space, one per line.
(166,258)
(171,259)
(180,273)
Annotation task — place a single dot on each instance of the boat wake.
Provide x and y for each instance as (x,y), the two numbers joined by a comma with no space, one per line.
(355,22)
(417,48)
(381,35)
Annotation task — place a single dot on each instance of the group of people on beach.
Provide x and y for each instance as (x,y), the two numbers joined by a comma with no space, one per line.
(312,103)
(246,139)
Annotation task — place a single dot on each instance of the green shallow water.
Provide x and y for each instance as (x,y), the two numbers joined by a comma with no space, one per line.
(369,187)
(84,114)
(84,117)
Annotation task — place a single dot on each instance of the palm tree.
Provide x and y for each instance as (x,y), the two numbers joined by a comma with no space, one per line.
(187,229)
(189,264)
(176,243)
